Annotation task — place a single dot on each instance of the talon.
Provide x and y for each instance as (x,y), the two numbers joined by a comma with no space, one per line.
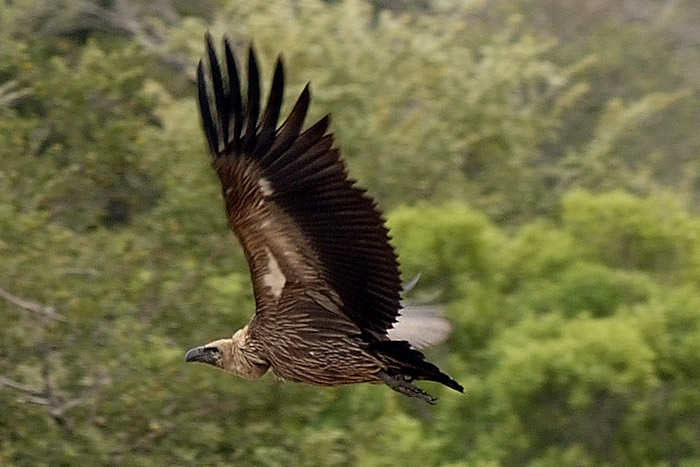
(403,385)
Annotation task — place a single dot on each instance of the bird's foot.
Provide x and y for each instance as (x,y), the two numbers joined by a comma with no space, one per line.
(403,384)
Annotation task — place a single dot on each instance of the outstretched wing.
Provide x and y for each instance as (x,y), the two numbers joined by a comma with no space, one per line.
(303,224)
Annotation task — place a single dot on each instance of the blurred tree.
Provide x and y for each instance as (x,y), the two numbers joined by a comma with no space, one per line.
(637,49)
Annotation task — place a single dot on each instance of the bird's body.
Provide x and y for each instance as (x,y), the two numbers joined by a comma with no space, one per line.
(325,278)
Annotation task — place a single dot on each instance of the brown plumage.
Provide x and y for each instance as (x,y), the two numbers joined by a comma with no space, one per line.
(325,278)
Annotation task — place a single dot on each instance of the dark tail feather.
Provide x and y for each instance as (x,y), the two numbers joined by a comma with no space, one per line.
(413,362)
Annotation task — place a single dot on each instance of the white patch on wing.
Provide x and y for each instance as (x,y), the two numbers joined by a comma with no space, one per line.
(265,187)
(421,326)
(273,278)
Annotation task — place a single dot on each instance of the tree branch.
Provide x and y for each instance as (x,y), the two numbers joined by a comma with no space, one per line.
(23,388)
(48,398)
(45,310)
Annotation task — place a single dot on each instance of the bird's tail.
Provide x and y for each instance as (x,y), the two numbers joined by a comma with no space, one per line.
(412,363)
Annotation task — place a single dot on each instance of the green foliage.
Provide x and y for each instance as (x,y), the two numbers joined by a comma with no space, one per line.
(90,121)
(535,187)
(449,249)
(654,235)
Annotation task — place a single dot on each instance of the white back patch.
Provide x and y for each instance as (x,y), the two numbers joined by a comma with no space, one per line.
(265,187)
(273,278)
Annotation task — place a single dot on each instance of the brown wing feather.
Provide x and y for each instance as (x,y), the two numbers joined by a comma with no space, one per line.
(287,194)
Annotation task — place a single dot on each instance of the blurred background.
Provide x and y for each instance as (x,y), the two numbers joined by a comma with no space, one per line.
(539,164)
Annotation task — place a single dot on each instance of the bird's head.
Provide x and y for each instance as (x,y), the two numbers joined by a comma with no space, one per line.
(230,355)
(214,353)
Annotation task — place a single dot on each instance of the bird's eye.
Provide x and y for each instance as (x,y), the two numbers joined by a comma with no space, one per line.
(212,349)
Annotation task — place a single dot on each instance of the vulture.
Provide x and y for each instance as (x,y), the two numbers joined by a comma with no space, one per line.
(325,277)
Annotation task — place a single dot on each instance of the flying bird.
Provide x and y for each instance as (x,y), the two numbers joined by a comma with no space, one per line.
(325,277)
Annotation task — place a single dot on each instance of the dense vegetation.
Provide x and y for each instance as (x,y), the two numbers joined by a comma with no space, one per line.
(539,163)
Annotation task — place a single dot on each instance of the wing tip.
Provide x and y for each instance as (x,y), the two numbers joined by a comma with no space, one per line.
(253,104)
(205,108)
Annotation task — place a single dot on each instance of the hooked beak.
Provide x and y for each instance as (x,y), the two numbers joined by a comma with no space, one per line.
(196,355)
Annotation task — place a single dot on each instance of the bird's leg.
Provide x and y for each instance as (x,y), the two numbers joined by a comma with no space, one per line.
(402,384)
